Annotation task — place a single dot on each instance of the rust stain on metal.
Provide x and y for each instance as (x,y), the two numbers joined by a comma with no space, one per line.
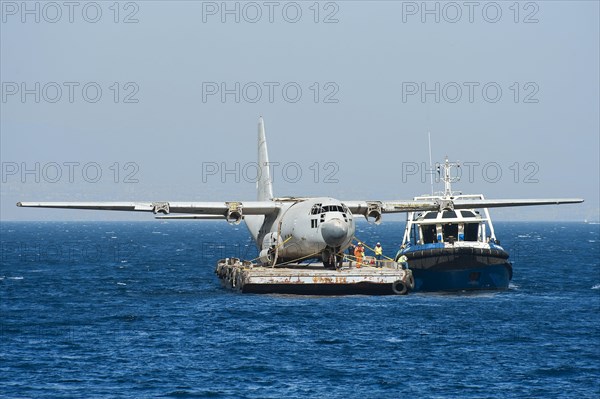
(237,274)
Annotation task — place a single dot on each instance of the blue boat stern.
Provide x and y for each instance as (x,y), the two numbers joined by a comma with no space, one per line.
(495,277)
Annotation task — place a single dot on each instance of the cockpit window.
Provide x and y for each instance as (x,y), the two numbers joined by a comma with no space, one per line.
(316,209)
(332,208)
(449,215)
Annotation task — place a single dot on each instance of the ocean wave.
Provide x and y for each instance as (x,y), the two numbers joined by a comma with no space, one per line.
(144,323)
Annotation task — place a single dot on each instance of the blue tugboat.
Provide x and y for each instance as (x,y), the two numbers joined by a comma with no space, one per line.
(454,249)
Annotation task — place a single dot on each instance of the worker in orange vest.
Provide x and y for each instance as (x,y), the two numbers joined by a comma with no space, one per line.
(359,252)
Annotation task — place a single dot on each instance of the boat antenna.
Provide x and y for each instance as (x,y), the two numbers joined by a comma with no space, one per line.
(430,162)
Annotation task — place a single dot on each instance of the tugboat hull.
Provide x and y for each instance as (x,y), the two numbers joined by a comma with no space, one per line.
(458,269)
(485,278)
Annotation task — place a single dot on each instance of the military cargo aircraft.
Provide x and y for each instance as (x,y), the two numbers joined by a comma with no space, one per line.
(293,229)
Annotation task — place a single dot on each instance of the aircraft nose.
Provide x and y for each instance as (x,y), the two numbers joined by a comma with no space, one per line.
(334,232)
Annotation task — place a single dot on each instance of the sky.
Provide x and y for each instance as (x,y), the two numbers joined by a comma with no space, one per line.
(160,100)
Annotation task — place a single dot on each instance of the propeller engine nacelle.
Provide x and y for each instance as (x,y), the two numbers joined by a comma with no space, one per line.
(266,257)
(271,244)
(234,212)
(374,212)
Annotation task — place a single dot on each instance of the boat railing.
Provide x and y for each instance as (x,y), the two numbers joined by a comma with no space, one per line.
(385,263)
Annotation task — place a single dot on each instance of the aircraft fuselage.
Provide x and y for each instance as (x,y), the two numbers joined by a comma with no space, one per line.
(312,228)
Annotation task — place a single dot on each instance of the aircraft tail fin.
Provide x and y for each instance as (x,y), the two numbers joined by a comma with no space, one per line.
(264,185)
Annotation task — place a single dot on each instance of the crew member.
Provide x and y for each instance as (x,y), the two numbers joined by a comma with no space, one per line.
(378,254)
(403,260)
(351,250)
(359,251)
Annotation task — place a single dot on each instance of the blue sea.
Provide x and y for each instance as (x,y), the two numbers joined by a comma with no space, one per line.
(134,310)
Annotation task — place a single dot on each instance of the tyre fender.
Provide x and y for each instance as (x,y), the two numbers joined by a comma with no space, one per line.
(399,287)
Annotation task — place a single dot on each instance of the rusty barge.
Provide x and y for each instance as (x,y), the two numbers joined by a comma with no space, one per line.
(314,279)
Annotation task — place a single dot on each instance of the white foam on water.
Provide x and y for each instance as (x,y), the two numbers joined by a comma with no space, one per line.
(596,287)
(394,340)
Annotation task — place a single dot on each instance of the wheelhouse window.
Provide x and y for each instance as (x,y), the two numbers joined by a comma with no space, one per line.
(471,230)
(450,230)
(429,233)
(431,215)
(449,215)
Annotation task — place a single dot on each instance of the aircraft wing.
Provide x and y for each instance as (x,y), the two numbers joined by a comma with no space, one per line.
(232,211)
(492,203)
(196,217)
(363,207)
(374,209)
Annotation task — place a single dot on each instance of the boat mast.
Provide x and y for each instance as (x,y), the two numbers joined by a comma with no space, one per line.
(448,179)
(448,194)
(430,162)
